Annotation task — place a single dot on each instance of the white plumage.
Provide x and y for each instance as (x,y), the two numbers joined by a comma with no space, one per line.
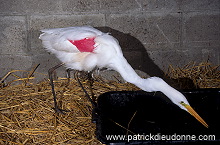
(103,51)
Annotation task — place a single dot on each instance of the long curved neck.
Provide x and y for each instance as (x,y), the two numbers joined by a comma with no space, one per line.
(151,84)
(121,65)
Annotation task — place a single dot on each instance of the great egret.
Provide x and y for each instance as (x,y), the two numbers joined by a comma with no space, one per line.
(86,48)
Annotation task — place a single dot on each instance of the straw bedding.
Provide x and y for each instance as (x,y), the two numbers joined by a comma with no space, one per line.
(27,117)
(202,75)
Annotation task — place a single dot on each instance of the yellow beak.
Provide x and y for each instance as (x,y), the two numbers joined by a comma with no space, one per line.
(194,114)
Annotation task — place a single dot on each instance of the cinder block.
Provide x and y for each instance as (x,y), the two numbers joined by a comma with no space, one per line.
(182,57)
(160,6)
(12,6)
(211,54)
(42,6)
(27,7)
(55,21)
(70,6)
(14,62)
(13,35)
(201,30)
(46,62)
(20,66)
(165,58)
(110,6)
(200,5)
(126,40)
(155,31)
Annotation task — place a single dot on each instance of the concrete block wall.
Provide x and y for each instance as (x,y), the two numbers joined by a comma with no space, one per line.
(152,33)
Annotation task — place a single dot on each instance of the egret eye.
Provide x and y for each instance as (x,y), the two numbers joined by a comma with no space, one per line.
(182,103)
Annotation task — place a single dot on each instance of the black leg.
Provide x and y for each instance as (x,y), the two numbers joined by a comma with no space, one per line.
(91,81)
(50,72)
(68,75)
(86,93)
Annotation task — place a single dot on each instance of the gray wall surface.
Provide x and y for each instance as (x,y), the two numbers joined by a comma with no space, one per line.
(152,33)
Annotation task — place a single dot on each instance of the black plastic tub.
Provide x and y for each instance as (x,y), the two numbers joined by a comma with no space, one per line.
(138,117)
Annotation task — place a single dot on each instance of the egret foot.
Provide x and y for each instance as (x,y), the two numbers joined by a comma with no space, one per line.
(60,111)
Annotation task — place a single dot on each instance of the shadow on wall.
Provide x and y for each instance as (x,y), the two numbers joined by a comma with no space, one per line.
(128,42)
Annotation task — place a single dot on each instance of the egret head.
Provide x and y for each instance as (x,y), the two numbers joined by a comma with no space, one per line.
(182,102)
(193,113)
(157,84)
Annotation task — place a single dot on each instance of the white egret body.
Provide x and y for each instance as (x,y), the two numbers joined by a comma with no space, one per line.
(86,48)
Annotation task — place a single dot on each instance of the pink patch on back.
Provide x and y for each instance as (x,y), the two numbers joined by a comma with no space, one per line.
(84,45)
